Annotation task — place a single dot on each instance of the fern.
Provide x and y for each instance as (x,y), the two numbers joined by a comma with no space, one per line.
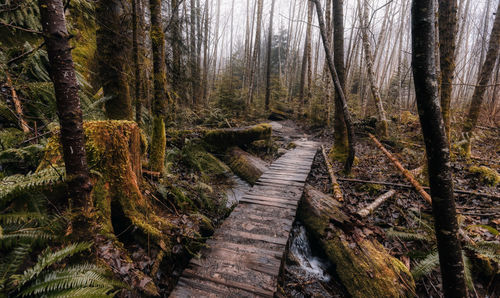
(426,266)
(408,235)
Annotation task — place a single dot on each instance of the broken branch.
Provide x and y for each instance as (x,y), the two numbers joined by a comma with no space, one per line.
(375,204)
(337,192)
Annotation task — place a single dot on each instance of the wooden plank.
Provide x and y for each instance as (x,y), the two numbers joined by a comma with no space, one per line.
(282,199)
(266,203)
(272,181)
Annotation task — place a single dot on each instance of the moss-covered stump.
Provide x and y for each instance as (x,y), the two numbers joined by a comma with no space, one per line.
(362,264)
(114,154)
(245,165)
(487,176)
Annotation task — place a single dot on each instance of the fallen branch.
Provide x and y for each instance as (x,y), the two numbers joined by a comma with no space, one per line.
(375,204)
(337,192)
(17,105)
(459,191)
(405,172)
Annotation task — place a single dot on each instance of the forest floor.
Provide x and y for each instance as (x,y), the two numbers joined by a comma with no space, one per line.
(397,221)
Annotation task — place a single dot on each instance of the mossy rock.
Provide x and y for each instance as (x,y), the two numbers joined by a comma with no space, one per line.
(196,157)
(362,264)
(408,118)
(487,176)
(245,165)
(22,160)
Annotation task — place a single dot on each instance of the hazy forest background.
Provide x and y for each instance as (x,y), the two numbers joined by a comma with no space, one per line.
(129,130)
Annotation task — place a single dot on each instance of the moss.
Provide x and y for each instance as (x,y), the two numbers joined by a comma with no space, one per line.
(158,145)
(408,118)
(486,175)
(246,166)
(222,139)
(291,145)
(338,153)
(372,189)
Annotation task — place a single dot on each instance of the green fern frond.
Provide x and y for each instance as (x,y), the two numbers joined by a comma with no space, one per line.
(487,249)
(90,292)
(48,258)
(12,262)
(467,272)
(31,235)
(408,235)
(21,218)
(485,227)
(426,266)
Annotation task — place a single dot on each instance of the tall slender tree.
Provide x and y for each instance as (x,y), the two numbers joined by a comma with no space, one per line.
(158,143)
(113,46)
(340,131)
(256,52)
(306,56)
(338,88)
(268,64)
(136,26)
(484,78)
(436,144)
(447,44)
(68,104)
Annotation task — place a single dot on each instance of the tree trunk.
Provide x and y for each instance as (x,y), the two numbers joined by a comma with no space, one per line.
(68,104)
(306,55)
(158,142)
(338,88)
(438,154)
(176,41)
(205,53)
(195,69)
(484,78)
(340,130)
(268,66)
(113,53)
(447,45)
(363,18)
(136,14)
(256,52)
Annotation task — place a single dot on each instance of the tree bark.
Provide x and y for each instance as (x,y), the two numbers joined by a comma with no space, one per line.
(268,66)
(340,131)
(438,154)
(195,72)
(176,41)
(158,143)
(484,78)
(136,14)
(113,47)
(447,44)
(306,55)
(68,104)
(338,88)
(363,18)
(256,52)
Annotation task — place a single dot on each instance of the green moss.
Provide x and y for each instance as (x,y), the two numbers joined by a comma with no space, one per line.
(338,153)
(246,166)
(221,139)
(486,175)
(372,189)
(158,145)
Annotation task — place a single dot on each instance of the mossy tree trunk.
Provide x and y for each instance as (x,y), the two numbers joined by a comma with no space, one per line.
(482,84)
(340,131)
(113,48)
(68,104)
(338,88)
(447,44)
(137,17)
(438,153)
(158,143)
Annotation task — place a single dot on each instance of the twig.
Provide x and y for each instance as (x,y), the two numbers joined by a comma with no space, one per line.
(337,192)
(465,192)
(375,204)
(405,172)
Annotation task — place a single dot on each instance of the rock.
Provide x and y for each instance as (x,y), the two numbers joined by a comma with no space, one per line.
(362,264)
(246,166)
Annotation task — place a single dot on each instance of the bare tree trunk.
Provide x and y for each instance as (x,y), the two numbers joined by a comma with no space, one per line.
(205,53)
(68,104)
(113,45)
(338,88)
(363,18)
(158,142)
(341,142)
(256,52)
(137,66)
(306,56)
(195,68)
(484,78)
(438,154)
(268,66)
(447,45)
(176,40)
(216,41)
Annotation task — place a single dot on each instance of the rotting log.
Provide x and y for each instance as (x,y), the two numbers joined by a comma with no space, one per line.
(337,192)
(222,139)
(245,165)
(405,172)
(362,264)
(375,204)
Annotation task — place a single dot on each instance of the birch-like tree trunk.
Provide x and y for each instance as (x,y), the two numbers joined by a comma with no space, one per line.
(306,56)
(256,52)
(268,64)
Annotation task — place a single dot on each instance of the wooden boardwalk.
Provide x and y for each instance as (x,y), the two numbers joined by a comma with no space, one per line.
(243,258)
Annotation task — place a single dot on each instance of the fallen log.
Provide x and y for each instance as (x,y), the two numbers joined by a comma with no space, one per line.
(362,264)
(337,192)
(375,204)
(245,165)
(459,191)
(405,172)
